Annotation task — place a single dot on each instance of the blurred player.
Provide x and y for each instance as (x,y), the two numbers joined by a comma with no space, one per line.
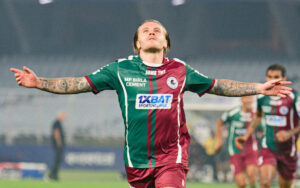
(150,88)
(244,160)
(58,145)
(281,117)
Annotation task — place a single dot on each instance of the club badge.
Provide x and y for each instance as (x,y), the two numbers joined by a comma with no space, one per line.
(172,82)
(283,110)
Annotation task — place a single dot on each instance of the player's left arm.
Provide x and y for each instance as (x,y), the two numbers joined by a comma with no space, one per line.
(233,88)
(285,135)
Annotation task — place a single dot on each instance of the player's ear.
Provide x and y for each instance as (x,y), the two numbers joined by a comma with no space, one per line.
(165,45)
(138,45)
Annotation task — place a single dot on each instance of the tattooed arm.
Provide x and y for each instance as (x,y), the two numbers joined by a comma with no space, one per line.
(64,85)
(232,88)
(27,78)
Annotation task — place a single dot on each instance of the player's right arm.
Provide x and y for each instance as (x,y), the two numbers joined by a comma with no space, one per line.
(240,140)
(219,139)
(71,85)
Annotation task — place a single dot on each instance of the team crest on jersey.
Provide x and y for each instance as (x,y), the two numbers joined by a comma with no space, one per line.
(172,82)
(283,110)
(153,101)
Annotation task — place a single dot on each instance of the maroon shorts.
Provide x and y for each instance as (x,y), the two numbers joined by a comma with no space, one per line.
(172,175)
(286,165)
(239,162)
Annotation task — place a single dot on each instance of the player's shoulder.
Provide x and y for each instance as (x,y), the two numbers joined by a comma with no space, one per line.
(175,60)
(235,110)
(127,59)
(293,94)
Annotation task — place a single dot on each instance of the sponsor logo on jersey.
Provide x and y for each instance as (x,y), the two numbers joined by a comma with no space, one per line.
(240,131)
(277,121)
(237,124)
(153,101)
(172,82)
(154,73)
(135,82)
(266,109)
(284,110)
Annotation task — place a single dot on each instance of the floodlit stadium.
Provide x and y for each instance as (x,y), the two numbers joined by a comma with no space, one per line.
(231,40)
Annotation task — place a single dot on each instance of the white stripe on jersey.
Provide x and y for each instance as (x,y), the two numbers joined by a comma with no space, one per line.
(293,152)
(179,156)
(126,120)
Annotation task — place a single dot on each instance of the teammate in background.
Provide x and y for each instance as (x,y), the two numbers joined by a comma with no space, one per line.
(238,119)
(58,144)
(150,88)
(281,130)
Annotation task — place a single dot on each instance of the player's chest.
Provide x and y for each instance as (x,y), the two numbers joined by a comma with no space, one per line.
(149,80)
(278,106)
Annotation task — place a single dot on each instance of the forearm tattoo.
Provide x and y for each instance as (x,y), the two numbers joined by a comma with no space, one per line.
(232,88)
(65,85)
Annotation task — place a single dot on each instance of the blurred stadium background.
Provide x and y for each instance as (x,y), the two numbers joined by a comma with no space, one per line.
(228,39)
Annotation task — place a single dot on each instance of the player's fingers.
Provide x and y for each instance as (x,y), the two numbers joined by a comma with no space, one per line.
(286,88)
(18,79)
(19,82)
(281,95)
(27,70)
(285,82)
(15,70)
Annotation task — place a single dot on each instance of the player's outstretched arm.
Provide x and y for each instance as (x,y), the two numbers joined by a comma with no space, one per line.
(233,88)
(28,78)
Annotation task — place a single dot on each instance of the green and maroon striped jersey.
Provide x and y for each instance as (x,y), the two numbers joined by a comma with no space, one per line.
(279,114)
(238,123)
(150,98)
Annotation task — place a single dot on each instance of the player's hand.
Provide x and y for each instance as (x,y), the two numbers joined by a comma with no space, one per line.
(283,135)
(275,88)
(26,78)
(239,142)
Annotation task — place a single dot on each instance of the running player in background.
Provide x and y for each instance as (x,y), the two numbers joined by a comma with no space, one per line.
(238,119)
(281,130)
(150,88)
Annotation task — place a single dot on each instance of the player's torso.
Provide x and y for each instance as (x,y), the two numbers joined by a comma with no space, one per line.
(151,103)
(278,114)
(238,125)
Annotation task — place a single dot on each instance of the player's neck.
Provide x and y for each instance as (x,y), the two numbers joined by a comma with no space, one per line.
(244,109)
(155,58)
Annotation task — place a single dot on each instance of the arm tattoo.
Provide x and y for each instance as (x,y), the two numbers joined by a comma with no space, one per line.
(232,88)
(65,85)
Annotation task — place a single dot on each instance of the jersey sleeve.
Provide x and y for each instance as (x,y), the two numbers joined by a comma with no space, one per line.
(225,117)
(197,82)
(104,78)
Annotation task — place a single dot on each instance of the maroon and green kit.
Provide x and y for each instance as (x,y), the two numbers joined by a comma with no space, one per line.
(150,99)
(279,114)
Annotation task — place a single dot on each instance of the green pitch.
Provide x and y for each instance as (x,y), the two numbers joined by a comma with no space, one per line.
(90,179)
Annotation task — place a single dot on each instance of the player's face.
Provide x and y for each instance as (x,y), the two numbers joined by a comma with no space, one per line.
(247,102)
(274,75)
(151,36)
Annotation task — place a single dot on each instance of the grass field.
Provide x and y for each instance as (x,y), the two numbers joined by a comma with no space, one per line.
(90,179)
